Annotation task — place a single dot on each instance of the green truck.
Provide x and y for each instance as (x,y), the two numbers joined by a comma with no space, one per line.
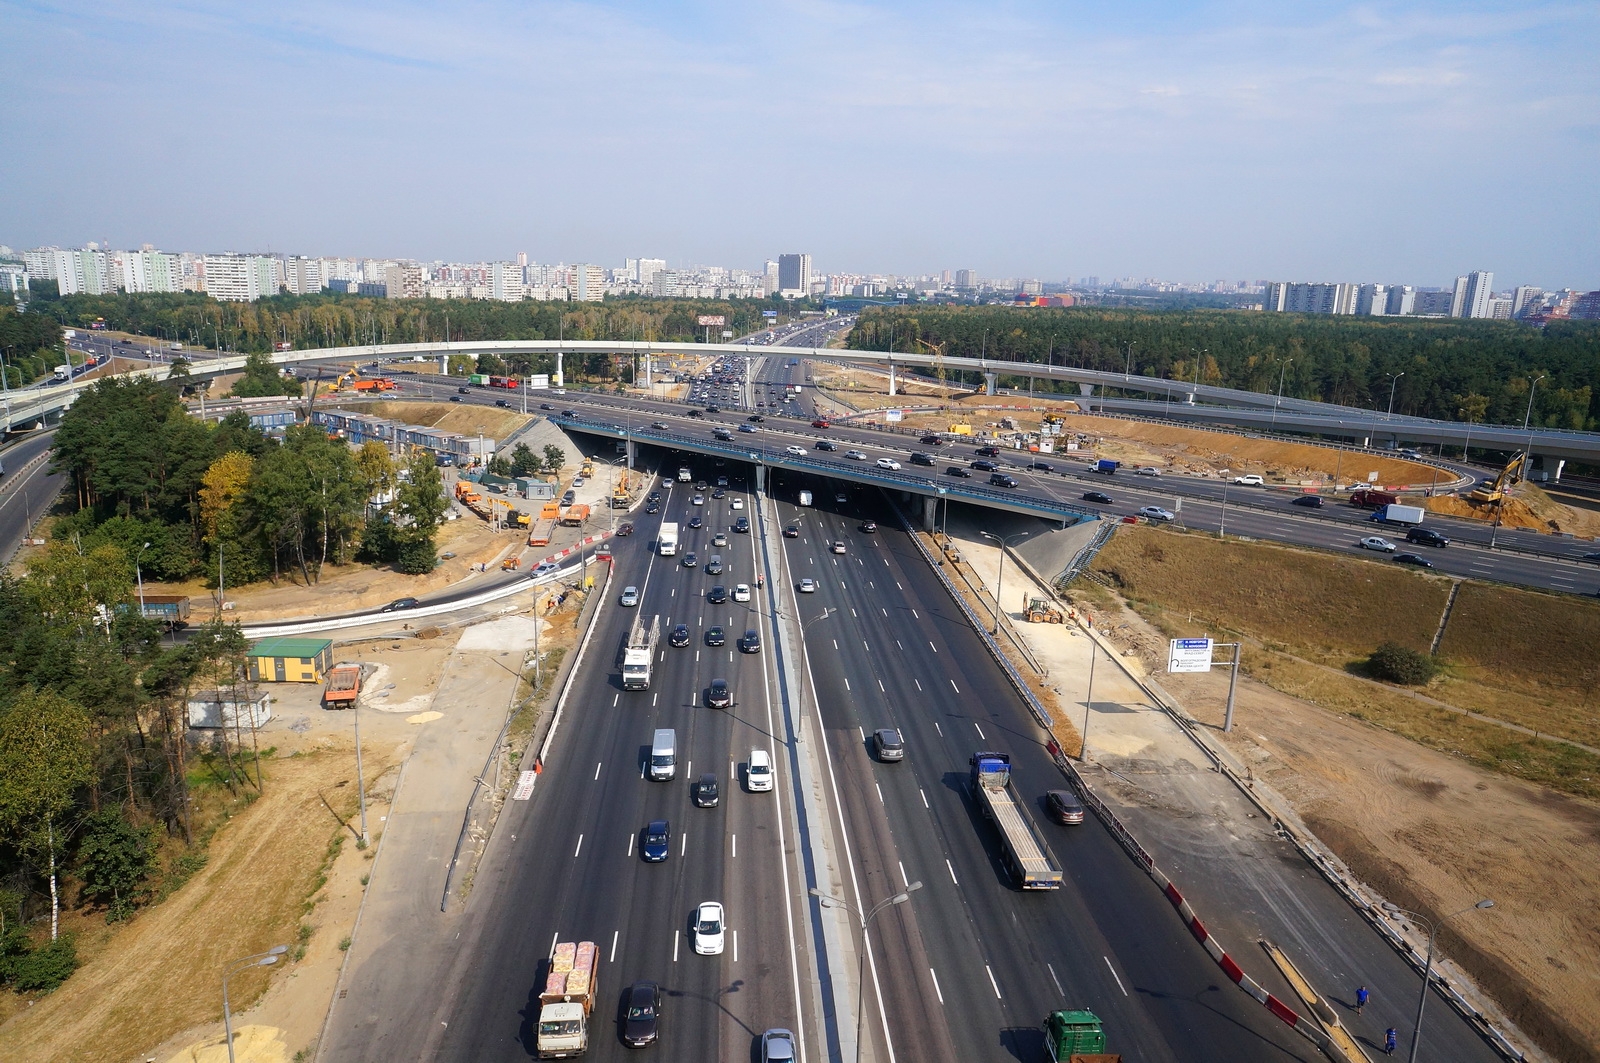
(1076,1037)
(479,380)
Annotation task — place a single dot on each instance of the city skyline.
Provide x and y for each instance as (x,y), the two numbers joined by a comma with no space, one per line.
(1228,141)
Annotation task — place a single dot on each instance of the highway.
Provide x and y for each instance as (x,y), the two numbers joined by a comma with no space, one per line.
(27,489)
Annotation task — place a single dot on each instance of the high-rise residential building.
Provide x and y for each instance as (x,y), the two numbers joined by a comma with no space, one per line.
(522,259)
(1434,303)
(1402,300)
(588,283)
(1472,294)
(14,280)
(85,272)
(966,278)
(1372,300)
(304,276)
(1525,297)
(645,270)
(1499,310)
(240,278)
(506,282)
(794,276)
(40,263)
(665,283)
(404,281)
(148,271)
(1291,298)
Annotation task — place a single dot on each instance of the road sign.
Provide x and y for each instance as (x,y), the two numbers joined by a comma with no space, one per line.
(894,415)
(1189,655)
(772,314)
(539,380)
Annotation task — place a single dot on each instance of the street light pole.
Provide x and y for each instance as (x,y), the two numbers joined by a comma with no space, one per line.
(1427,969)
(1394,382)
(263,959)
(1001,574)
(1275,405)
(138,575)
(866,922)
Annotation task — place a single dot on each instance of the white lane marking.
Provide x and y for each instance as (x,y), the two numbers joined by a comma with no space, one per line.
(954,687)
(846,684)
(903,880)
(653,698)
(919,685)
(685,846)
(935,976)
(614,935)
(992,982)
(734,839)
(697,656)
(1113,971)
(896,644)
(553,941)
(614,699)
(735,946)
(924,794)
(689,773)
(952,871)
(882,687)
(914,615)
(579,849)
(731,775)
(675,934)
(852,609)
(933,647)
(674,593)
(981,735)
(936,726)
(835,643)
(597,770)
(1054,979)
(863,732)
(896,582)
(631,836)
(878,788)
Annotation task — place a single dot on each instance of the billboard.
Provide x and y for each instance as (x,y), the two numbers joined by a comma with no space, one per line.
(711,319)
(894,415)
(1189,655)
(539,380)
(771,315)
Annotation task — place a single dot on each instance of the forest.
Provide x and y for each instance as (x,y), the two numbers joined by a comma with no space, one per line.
(1478,371)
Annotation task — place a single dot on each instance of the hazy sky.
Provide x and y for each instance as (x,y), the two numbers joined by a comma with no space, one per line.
(1402,141)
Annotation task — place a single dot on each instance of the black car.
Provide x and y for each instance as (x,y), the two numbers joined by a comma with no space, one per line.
(455,398)
(1097,496)
(750,641)
(696,413)
(1309,501)
(919,458)
(982,466)
(987,452)
(463,391)
(705,791)
(956,470)
(398,604)
(641,1014)
(654,496)
(715,637)
(932,441)
(680,636)
(690,561)
(1000,479)
(545,406)
(713,408)
(755,418)
(501,402)
(654,507)
(718,696)
(742,525)
(1064,806)
(719,493)
(696,522)
(792,532)
(825,444)
(625,528)
(1426,537)
(1042,466)
(869,526)
(717,595)
(1413,559)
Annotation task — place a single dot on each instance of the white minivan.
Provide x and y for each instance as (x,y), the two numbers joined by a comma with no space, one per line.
(758,771)
(664,754)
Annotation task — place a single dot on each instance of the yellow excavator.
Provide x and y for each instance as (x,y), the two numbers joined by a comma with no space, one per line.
(1509,477)
(938,359)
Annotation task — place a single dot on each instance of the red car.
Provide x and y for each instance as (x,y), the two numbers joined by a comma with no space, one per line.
(819,423)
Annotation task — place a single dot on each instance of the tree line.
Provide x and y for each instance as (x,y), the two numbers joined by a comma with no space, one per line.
(30,345)
(1478,371)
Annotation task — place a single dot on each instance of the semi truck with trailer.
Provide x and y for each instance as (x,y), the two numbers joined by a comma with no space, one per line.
(667,539)
(1026,856)
(568,1000)
(539,534)
(640,653)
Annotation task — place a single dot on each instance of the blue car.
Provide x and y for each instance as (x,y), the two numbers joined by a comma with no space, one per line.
(657,841)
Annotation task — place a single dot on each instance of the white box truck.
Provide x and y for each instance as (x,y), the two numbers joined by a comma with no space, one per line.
(805,498)
(667,540)
(1395,514)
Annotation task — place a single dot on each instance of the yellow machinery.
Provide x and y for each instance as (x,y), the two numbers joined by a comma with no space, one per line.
(938,359)
(350,373)
(619,492)
(1509,477)
(1040,611)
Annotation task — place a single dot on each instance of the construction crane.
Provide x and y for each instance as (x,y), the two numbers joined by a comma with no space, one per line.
(1509,477)
(938,359)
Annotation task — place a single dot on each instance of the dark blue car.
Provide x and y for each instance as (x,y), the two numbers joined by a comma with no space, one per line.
(657,841)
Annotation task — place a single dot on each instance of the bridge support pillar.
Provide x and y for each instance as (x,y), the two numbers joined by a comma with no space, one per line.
(761,478)
(930,512)
(891,380)
(1086,389)
(444,363)
(561,376)
(989,381)
(646,382)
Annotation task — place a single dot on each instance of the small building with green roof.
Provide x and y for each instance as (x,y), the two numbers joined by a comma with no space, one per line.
(290,660)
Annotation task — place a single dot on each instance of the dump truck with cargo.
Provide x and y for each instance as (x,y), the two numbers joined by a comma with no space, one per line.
(574,516)
(1076,1037)
(640,653)
(344,687)
(1397,514)
(169,609)
(545,525)
(1366,498)
(1023,848)
(667,540)
(568,1000)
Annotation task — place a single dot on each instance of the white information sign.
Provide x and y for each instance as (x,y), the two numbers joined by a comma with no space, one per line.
(539,380)
(894,415)
(1189,655)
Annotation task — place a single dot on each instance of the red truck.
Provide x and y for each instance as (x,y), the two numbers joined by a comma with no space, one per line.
(503,382)
(1366,498)
(344,687)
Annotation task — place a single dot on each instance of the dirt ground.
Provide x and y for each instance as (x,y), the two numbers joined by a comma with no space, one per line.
(1435,834)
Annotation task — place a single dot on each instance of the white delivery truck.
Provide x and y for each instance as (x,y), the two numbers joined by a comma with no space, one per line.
(805,498)
(667,540)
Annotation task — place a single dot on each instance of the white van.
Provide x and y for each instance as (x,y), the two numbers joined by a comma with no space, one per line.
(758,771)
(664,754)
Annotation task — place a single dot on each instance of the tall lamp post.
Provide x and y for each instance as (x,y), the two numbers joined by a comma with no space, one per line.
(139,576)
(829,901)
(1001,574)
(1427,969)
(1281,373)
(1394,382)
(263,959)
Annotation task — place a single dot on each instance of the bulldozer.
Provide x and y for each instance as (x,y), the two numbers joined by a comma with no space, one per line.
(1509,477)
(1040,611)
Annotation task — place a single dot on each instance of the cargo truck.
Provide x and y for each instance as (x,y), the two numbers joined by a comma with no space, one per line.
(170,609)
(479,380)
(1076,1036)
(1366,498)
(685,475)
(1025,855)
(667,540)
(344,687)
(545,526)
(574,516)
(1106,467)
(1395,514)
(567,1000)
(640,652)
(805,498)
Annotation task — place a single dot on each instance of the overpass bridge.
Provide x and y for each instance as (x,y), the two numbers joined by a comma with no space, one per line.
(1173,398)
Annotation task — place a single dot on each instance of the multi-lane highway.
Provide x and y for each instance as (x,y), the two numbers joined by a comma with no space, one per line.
(27,490)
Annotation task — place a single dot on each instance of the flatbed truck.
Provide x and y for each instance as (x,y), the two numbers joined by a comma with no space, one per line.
(640,653)
(567,1000)
(1026,855)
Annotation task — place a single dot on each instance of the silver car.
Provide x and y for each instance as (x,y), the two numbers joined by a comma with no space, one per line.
(1155,513)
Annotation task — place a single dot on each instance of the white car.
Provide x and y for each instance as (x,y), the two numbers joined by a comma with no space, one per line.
(1250,480)
(798,452)
(737,503)
(1155,513)
(888,463)
(741,592)
(630,597)
(545,568)
(709,929)
(698,500)
(838,546)
(758,771)
(808,586)
(1377,542)
(855,455)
